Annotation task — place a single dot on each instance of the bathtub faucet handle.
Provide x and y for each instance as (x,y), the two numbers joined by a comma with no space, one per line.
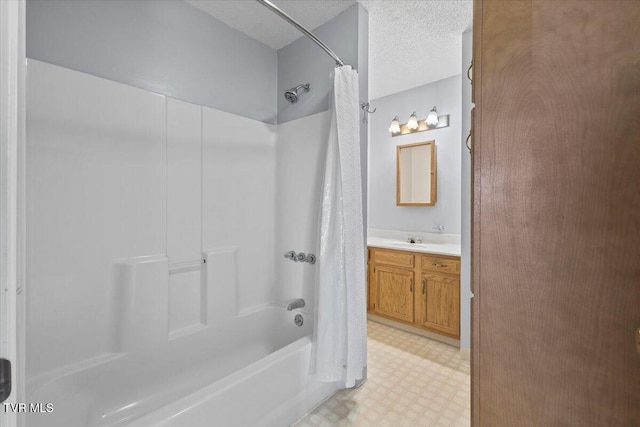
(290,255)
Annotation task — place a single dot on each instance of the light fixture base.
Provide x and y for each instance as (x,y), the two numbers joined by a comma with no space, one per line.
(443,122)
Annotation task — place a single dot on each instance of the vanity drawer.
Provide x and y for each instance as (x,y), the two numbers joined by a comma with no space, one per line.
(442,265)
(398,259)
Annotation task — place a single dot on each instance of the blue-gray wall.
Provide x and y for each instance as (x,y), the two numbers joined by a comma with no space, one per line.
(175,49)
(302,61)
(383,212)
(168,47)
(465,271)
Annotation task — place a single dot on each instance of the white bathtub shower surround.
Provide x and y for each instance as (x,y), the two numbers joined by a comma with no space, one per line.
(95,192)
(298,182)
(239,202)
(184,181)
(341,332)
(154,268)
(142,299)
(116,172)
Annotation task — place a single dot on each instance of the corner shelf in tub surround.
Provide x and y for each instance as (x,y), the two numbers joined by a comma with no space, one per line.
(416,285)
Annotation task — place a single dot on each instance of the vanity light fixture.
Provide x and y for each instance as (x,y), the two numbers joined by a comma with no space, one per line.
(413,122)
(395,126)
(433,121)
(432,118)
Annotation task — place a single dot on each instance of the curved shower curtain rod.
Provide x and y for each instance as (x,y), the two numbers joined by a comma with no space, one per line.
(275,9)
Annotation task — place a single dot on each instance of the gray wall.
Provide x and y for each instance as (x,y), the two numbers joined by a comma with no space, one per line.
(383,212)
(465,273)
(302,61)
(168,47)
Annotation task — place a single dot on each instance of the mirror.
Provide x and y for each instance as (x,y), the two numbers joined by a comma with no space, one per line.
(416,174)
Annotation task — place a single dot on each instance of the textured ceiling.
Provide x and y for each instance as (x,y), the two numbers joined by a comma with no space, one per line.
(411,42)
(261,24)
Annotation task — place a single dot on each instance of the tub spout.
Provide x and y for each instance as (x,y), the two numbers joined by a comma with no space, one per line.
(297,303)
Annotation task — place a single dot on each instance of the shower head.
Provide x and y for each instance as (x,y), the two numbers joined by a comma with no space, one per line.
(291,95)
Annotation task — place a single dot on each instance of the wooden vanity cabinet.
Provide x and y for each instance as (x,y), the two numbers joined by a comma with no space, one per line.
(440,303)
(419,289)
(394,292)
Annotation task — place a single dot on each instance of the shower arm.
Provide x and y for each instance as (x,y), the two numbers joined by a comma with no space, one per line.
(275,9)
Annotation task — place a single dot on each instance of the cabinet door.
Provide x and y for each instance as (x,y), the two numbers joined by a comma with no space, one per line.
(441,303)
(394,293)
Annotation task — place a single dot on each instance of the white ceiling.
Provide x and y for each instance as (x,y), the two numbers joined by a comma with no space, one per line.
(411,42)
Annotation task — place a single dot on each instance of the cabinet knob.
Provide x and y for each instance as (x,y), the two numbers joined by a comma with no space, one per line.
(424,286)
(410,285)
(437,264)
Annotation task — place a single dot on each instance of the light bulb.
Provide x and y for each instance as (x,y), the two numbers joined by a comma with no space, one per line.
(395,126)
(432,118)
(413,122)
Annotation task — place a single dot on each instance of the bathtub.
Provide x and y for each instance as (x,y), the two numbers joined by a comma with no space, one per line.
(275,391)
(254,372)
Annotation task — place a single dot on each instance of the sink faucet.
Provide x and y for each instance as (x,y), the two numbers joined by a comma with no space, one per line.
(296,303)
(413,239)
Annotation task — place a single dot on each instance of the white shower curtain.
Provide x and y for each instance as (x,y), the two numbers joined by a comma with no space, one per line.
(341,329)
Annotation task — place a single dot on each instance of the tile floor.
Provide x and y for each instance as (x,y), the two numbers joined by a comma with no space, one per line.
(412,382)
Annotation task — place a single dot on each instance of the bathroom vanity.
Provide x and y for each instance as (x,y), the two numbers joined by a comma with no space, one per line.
(416,285)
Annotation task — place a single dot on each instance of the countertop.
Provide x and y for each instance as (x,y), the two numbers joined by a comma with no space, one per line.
(451,249)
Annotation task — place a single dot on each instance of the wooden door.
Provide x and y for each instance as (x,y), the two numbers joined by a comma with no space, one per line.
(394,293)
(440,302)
(556,221)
